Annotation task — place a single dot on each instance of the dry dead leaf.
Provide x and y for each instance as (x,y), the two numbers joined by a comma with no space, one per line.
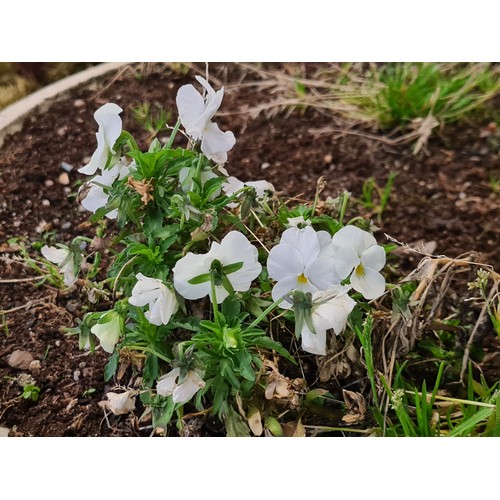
(356,407)
(255,421)
(121,404)
(294,429)
(144,188)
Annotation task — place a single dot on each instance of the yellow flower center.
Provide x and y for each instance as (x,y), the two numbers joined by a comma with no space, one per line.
(302,279)
(360,270)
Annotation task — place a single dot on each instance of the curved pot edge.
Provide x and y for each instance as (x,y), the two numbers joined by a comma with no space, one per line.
(13,116)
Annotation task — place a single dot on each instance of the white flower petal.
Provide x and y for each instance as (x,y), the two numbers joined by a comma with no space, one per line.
(213,99)
(96,198)
(188,267)
(370,283)
(232,185)
(374,257)
(98,158)
(145,291)
(215,144)
(191,106)
(55,255)
(346,259)
(325,244)
(69,273)
(352,236)
(109,123)
(167,384)
(185,391)
(108,330)
(162,309)
(283,261)
(333,314)
(315,343)
(322,273)
(261,188)
(304,240)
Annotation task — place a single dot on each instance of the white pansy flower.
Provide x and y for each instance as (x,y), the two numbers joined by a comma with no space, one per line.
(64,259)
(108,330)
(234,249)
(330,310)
(96,196)
(357,252)
(196,113)
(181,393)
(301,261)
(161,300)
(110,128)
(232,185)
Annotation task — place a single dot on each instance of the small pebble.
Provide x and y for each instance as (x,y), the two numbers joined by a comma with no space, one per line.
(58,343)
(63,179)
(78,103)
(65,225)
(265,165)
(76,375)
(82,365)
(49,182)
(66,166)
(20,359)
(16,223)
(45,203)
(35,366)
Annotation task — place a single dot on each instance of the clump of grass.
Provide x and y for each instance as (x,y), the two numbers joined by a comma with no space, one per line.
(449,92)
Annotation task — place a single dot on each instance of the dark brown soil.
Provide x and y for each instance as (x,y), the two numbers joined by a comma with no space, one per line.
(443,195)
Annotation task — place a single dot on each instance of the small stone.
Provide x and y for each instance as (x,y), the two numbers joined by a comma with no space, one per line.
(63,179)
(49,182)
(88,372)
(61,131)
(57,343)
(76,375)
(82,365)
(265,165)
(67,167)
(79,103)
(4,432)
(45,203)
(20,359)
(16,223)
(328,158)
(35,366)
(65,225)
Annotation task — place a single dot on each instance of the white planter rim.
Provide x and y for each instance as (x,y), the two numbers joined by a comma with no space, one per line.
(12,117)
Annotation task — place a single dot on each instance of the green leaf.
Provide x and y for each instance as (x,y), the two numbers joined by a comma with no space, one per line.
(232,268)
(231,306)
(267,343)
(228,373)
(202,278)
(111,366)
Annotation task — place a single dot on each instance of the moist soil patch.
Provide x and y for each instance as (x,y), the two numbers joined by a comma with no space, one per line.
(443,198)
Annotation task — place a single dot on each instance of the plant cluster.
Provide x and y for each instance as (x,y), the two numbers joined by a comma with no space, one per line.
(203,262)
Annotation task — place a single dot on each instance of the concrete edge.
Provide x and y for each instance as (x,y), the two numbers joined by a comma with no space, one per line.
(12,117)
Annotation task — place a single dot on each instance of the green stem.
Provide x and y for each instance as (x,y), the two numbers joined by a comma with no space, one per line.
(262,315)
(214,296)
(148,349)
(343,207)
(173,134)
